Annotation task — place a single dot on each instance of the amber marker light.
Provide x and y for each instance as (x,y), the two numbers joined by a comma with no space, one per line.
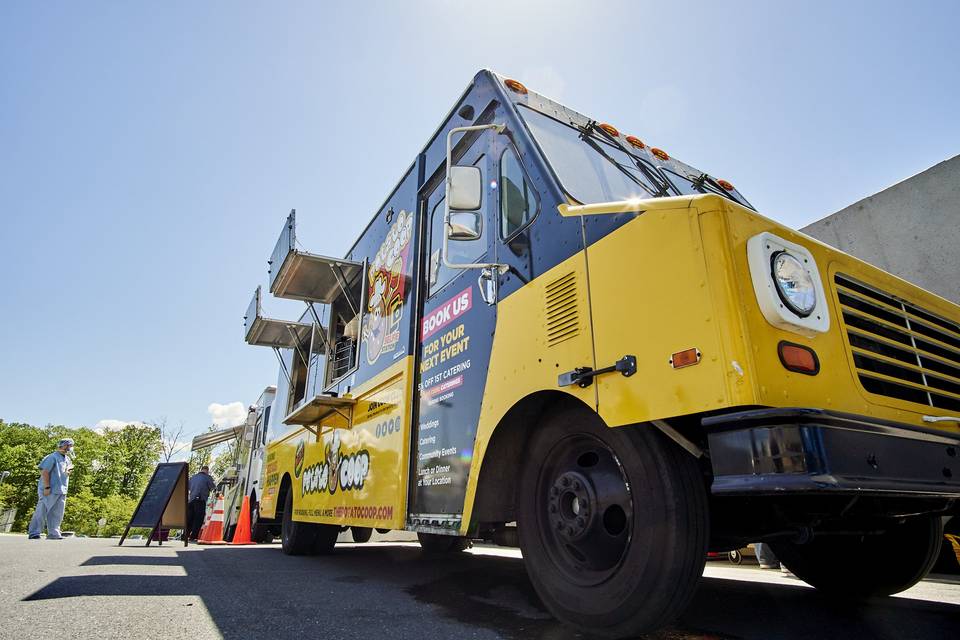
(660,153)
(609,128)
(798,358)
(726,185)
(685,358)
(513,85)
(635,141)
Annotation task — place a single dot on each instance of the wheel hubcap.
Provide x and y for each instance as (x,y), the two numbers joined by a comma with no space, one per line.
(585,509)
(572,505)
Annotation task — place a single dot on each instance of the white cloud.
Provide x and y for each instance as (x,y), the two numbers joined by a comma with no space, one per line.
(111,424)
(227,415)
(545,80)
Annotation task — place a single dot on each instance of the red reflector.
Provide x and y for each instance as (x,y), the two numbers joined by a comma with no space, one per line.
(795,357)
(685,358)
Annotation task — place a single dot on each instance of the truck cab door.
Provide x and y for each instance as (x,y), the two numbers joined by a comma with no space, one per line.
(455,335)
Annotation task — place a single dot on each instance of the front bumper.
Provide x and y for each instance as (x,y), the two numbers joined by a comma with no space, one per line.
(808,451)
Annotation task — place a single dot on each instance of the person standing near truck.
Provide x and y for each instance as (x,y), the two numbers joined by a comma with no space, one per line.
(55,471)
(200,486)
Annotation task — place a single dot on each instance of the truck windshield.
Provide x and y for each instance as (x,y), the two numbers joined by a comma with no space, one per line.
(590,169)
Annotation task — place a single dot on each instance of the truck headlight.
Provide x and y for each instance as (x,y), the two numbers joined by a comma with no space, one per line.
(794,283)
(787,284)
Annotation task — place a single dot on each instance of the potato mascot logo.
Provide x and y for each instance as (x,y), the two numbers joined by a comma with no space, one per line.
(386,285)
(337,470)
(298,460)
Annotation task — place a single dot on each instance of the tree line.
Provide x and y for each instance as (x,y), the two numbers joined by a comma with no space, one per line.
(111,469)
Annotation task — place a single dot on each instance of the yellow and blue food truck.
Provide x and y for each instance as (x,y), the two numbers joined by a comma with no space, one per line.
(554,335)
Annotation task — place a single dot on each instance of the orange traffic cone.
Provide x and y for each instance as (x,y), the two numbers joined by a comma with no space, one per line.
(213,533)
(241,535)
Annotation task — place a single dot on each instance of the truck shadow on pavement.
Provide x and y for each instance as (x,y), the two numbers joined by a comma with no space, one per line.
(399,592)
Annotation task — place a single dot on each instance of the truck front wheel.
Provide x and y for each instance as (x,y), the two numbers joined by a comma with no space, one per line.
(869,565)
(296,538)
(613,524)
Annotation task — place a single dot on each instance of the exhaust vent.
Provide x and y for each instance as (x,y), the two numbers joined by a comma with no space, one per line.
(563,309)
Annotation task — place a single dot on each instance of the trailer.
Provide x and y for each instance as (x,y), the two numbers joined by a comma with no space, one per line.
(555,335)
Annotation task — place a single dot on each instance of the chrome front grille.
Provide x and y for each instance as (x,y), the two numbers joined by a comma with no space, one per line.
(899,349)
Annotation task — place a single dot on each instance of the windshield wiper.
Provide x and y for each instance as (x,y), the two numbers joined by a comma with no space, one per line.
(704,182)
(585,136)
(662,185)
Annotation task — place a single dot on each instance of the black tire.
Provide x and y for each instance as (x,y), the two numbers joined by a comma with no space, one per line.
(633,507)
(436,543)
(735,557)
(361,534)
(326,539)
(296,538)
(259,531)
(854,567)
(379,530)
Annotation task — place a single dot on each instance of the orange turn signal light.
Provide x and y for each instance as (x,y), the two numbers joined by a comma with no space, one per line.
(685,358)
(798,358)
(660,153)
(609,128)
(513,85)
(726,185)
(635,141)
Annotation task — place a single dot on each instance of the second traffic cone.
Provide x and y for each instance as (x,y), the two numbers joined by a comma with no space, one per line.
(241,535)
(213,533)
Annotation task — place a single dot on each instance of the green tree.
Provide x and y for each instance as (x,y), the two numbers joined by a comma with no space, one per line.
(109,473)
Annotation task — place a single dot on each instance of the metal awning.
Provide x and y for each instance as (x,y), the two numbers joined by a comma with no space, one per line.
(216,437)
(266,332)
(317,409)
(299,275)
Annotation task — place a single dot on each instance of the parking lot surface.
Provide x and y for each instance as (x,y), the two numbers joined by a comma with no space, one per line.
(84,588)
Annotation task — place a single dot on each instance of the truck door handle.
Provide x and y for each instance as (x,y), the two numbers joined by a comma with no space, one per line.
(489,284)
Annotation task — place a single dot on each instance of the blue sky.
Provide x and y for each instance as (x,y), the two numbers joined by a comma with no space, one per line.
(150,152)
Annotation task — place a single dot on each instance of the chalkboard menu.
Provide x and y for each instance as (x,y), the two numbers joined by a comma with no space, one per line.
(164,501)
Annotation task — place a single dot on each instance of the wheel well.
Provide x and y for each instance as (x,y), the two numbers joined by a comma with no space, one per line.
(496,500)
(285,485)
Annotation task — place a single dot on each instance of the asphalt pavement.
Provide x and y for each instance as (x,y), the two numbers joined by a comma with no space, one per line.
(91,588)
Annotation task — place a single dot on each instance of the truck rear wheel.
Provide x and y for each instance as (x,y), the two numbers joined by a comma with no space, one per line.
(436,543)
(361,534)
(869,565)
(613,524)
(296,538)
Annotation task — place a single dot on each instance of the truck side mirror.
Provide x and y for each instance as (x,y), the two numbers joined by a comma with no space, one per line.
(465,225)
(463,188)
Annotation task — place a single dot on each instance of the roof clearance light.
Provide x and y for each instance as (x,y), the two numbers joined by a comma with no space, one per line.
(609,128)
(518,87)
(635,141)
(795,357)
(660,153)
(726,185)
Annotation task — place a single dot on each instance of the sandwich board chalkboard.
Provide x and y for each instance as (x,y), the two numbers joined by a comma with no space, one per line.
(164,501)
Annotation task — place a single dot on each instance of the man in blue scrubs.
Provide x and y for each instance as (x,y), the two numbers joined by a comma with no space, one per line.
(52,491)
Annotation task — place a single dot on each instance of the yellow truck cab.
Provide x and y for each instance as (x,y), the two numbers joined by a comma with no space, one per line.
(553,335)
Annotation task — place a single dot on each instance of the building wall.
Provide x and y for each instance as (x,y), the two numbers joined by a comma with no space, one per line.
(911,229)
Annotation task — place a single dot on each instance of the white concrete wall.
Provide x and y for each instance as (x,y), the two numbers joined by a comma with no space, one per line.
(911,229)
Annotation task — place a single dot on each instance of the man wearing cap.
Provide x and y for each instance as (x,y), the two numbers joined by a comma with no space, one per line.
(52,491)
(200,486)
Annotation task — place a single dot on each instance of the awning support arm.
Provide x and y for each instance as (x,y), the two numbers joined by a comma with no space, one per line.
(283,365)
(296,346)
